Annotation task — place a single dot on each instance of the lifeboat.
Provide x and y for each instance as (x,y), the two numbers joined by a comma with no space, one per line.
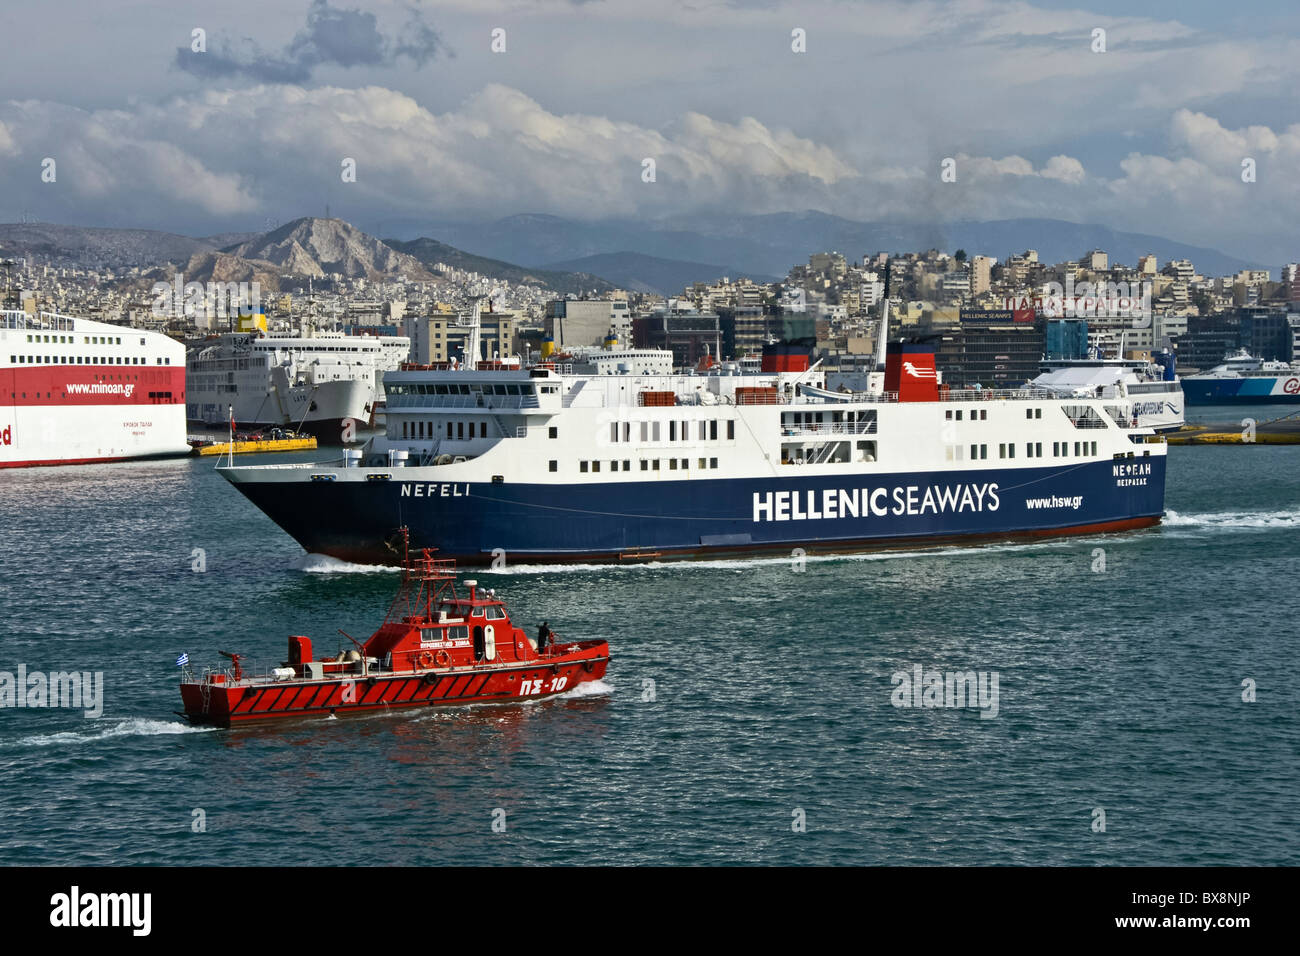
(434,648)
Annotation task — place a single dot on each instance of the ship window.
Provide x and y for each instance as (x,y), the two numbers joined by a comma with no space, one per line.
(654,429)
(495,613)
(672,464)
(959,414)
(460,430)
(731,428)
(654,465)
(1029,413)
(613,466)
(582,466)
(947,414)
(685,463)
(627,465)
(713,463)
(1011,450)
(554,465)
(1094,448)
(713,429)
(595,466)
(974,452)
(645,464)
(1038,449)
(449,429)
(471,429)
(553,432)
(672,431)
(613,431)
(1038,413)
(701,464)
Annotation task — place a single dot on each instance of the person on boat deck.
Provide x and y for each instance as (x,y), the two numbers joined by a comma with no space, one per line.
(543,635)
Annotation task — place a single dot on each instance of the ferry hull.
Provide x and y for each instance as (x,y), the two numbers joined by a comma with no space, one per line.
(41,435)
(1282,390)
(477,523)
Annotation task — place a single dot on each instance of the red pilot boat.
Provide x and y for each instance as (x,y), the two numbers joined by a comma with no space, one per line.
(433,649)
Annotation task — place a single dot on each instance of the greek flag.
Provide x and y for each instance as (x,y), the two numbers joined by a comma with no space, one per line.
(182,660)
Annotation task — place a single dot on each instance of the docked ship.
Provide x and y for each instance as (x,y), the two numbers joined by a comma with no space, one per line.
(310,381)
(551,464)
(1243,379)
(74,391)
(1152,386)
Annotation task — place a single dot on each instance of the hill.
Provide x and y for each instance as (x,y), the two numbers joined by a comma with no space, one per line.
(433,254)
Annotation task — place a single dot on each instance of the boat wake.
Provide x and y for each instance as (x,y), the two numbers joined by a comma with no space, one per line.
(748,564)
(1233,519)
(592,688)
(324,564)
(105,730)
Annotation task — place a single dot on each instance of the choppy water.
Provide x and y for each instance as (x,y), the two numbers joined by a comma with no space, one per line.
(1118,690)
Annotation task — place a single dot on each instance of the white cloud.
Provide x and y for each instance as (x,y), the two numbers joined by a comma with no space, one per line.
(1064,169)
(116,157)
(500,151)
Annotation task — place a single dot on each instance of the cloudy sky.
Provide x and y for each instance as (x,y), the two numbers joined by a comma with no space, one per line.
(1149,135)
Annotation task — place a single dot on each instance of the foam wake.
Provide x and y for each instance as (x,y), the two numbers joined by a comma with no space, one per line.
(1233,519)
(741,564)
(592,688)
(324,564)
(106,729)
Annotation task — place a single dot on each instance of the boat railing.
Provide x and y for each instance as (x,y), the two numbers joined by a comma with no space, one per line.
(476,400)
(987,394)
(829,428)
(46,321)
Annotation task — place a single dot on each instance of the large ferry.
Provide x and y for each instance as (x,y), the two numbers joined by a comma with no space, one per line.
(1244,379)
(316,381)
(1153,386)
(547,464)
(75,391)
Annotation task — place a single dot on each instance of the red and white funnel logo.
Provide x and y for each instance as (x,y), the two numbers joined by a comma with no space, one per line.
(923,373)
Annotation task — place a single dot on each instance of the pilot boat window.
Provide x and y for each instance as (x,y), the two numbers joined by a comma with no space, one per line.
(495,613)
(429,634)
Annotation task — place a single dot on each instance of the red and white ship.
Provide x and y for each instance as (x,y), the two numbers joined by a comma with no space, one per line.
(75,391)
(434,649)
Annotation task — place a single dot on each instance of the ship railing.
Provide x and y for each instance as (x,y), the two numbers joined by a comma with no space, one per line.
(983,394)
(47,321)
(830,428)
(462,401)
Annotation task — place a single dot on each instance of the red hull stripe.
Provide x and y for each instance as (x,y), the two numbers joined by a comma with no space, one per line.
(118,385)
